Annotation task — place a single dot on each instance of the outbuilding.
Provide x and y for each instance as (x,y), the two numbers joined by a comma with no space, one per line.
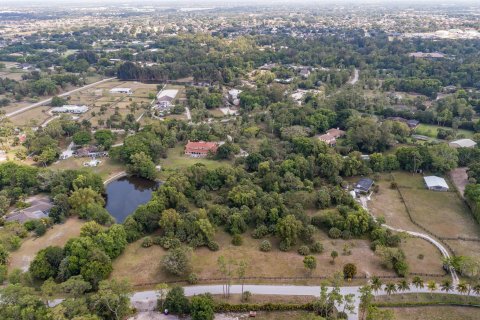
(462,143)
(363,185)
(436,183)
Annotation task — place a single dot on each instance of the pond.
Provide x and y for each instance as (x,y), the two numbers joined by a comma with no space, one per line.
(126,194)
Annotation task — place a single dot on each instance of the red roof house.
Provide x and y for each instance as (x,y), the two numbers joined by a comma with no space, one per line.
(200,149)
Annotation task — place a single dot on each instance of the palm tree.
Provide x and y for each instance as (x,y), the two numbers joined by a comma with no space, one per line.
(446,286)
(417,282)
(376,284)
(390,288)
(432,285)
(476,289)
(403,285)
(462,287)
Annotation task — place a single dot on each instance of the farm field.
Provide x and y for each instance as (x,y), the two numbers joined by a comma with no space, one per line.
(58,235)
(436,313)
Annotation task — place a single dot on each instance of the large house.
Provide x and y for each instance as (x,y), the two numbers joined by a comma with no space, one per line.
(121,90)
(331,136)
(363,185)
(200,149)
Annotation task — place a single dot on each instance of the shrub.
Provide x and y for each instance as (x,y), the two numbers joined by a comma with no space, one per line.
(192,278)
(15,242)
(349,270)
(177,261)
(334,233)
(393,185)
(260,232)
(213,246)
(346,235)
(265,246)
(237,240)
(176,302)
(169,243)
(246,296)
(284,246)
(40,229)
(157,241)
(317,247)
(147,242)
(304,250)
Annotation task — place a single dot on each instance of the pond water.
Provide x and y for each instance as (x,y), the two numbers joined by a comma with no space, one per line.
(126,194)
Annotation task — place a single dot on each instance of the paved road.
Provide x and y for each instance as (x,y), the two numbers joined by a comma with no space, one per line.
(355,77)
(41,103)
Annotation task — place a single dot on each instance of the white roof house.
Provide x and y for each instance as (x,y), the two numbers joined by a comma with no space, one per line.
(70,109)
(121,90)
(170,93)
(436,183)
(462,143)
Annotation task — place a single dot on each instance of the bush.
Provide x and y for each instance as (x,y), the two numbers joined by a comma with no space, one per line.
(304,250)
(169,243)
(260,232)
(176,302)
(147,242)
(334,233)
(213,246)
(192,278)
(3,274)
(40,229)
(246,295)
(158,241)
(15,242)
(177,261)
(349,271)
(393,185)
(265,246)
(346,235)
(317,247)
(237,240)
(284,246)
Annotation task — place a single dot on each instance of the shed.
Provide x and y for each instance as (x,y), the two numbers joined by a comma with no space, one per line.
(436,183)
(363,185)
(462,143)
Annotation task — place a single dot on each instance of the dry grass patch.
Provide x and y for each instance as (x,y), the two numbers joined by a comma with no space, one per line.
(465,248)
(107,168)
(143,265)
(422,256)
(442,213)
(58,235)
(437,313)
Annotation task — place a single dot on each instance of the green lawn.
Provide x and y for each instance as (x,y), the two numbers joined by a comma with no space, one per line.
(431,130)
(176,159)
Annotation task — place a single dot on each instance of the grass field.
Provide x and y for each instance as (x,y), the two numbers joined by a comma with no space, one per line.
(143,265)
(431,130)
(176,159)
(437,313)
(58,235)
(107,168)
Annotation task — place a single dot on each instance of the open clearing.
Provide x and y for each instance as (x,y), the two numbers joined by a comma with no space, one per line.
(176,159)
(431,130)
(437,313)
(58,235)
(107,168)
(142,266)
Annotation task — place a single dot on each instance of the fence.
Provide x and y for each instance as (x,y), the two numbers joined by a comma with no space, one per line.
(416,223)
(241,280)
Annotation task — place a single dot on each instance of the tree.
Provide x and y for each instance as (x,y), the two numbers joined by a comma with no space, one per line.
(46,263)
(446,285)
(310,263)
(349,271)
(241,271)
(432,285)
(375,313)
(202,307)
(82,138)
(390,288)
(112,300)
(20,302)
(177,261)
(58,101)
(334,255)
(288,229)
(162,290)
(48,288)
(176,302)
(366,298)
(376,283)
(142,165)
(105,138)
(75,286)
(463,287)
(417,282)
(403,285)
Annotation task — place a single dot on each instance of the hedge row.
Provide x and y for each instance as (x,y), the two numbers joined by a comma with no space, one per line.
(245,307)
(425,304)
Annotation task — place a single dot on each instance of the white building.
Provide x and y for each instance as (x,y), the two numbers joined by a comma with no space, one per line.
(234,96)
(121,90)
(70,109)
(463,143)
(436,183)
